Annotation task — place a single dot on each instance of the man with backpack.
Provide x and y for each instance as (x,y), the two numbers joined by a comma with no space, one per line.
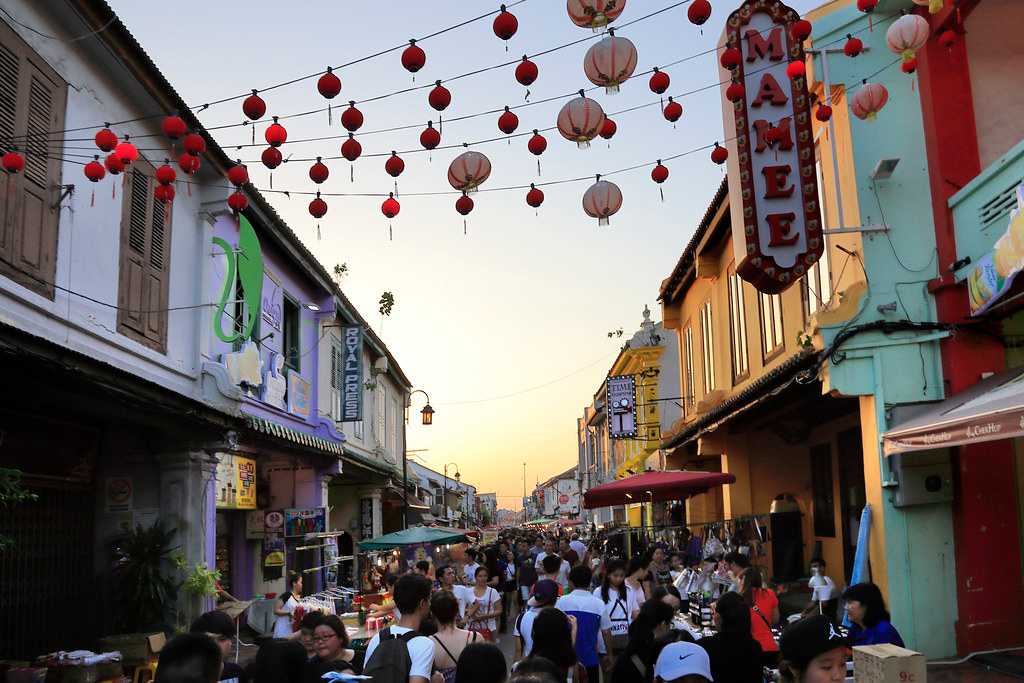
(544,595)
(399,654)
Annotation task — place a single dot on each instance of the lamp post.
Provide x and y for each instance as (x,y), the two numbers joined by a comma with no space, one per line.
(444,495)
(428,419)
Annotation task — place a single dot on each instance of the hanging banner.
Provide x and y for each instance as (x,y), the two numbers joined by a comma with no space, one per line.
(352,374)
(621,394)
(299,522)
(773,187)
(300,395)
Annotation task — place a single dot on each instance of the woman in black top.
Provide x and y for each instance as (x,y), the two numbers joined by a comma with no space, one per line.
(646,634)
(553,639)
(735,655)
(330,639)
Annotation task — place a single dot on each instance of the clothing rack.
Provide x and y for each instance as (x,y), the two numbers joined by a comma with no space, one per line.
(337,561)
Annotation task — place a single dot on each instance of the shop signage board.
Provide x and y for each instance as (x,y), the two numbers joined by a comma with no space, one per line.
(366,518)
(245,269)
(300,395)
(119,493)
(302,521)
(621,394)
(995,273)
(773,186)
(352,374)
(236,482)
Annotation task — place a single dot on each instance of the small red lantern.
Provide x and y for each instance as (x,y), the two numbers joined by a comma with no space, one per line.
(352,118)
(329,84)
(276,134)
(659,173)
(659,82)
(948,38)
(505,24)
(174,127)
(537,144)
(796,69)
(116,167)
(909,66)
(394,165)
(164,193)
(774,134)
(188,164)
(106,140)
(526,72)
(439,98)
(318,207)
(237,201)
(800,30)
(238,174)
(126,151)
(271,157)
(853,47)
(94,170)
(823,113)
(390,207)
(464,204)
(867,6)
(318,172)
(508,122)
(535,197)
(735,92)
(13,162)
(165,175)
(719,154)
(194,144)
(351,149)
(673,110)
(698,12)
(254,107)
(413,57)
(731,58)
(430,138)
(609,129)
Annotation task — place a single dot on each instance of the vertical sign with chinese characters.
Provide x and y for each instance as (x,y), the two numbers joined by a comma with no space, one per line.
(621,394)
(352,374)
(773,191)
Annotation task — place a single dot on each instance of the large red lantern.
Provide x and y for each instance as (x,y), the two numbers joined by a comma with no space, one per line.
(659,82)
(505,24)
(126,151)
(394,165)
(508,122)
(594,14)
(868,100)
(94,170)
(609,129)
(164,193)
(188,164)
(174,127)
(114,165)
(719,154)
(526,72)
(276,134)
(352,118)
(580,120)
(535,197)
(318,172)
(329,84)
(610,62)
(800,30)
(13,162)
(237,201)
(430,138)
(194,144)
(413,57)
(271,157)
(698,12)
(238,174)
(602,200)
(254,107)
(106,140)
(468,171)
(673,111)
(165,174)
(439,97)
(853,46)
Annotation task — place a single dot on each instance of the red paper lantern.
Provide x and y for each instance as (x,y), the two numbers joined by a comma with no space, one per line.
(318,207)
(394,165)
(719,154)
(698,12)
(659,82)
(126,151)
(390,207)
(106,140)
(464,204)
(823,113)
(237,201)
(94,170)
(352,118)
(800,30)
(439,97)
(735,92)
(537,144)
(853,46)
(413,57)
(602,200)
(948,38)
(116,167)
(505,24)
(508,122)
(254,107)
(469,171)
(13,162)
(909,66)
(673,110)
(164,193)
(174,127)
(276,134)
(535,197)
(796,69)
(271,157)
(194,144)
(351,149)
(608,129)
(188,164)
(430,138)
(318,172)
(867,6)
(526,72)
(610,62)
(238,174)
(731,58)
(580,120)
(165,174)
(329,84)
(594,14)
(775,134)
(659,173)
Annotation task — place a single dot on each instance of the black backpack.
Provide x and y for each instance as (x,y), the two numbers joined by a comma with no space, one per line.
(390,662)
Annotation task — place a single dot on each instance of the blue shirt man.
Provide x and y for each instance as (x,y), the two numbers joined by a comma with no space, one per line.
(593,626)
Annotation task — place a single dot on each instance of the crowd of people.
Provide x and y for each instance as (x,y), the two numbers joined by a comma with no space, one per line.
(577,613)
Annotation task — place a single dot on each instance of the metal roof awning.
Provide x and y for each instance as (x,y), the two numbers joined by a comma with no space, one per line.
(654,486)
(272,428)
(992,409)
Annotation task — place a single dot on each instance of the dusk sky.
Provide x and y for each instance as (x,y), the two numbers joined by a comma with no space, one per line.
(506,327)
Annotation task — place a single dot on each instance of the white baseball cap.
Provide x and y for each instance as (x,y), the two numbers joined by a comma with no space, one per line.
(683,659)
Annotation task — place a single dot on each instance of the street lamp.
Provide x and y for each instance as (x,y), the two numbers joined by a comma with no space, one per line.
(428,419)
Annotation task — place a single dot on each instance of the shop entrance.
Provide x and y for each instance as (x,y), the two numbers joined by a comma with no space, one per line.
(853,496)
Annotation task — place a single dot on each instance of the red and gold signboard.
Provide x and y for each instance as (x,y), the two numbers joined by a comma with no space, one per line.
(773,190)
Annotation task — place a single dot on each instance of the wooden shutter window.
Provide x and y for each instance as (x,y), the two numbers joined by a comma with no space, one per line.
(143,289)
(32,102)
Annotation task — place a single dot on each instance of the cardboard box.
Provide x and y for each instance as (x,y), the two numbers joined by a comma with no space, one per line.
(888,664)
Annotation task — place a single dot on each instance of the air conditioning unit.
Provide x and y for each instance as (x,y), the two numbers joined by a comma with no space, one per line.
(380,366)
(924,478)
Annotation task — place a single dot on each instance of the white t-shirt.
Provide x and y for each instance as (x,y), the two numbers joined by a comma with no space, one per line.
(486,604)
(460,593)
(563,575)
(580,547)
(421,652)
(823,588)
(469,571)
(618,611)
(635,597)
(524,629)
(540,558)
(283,625)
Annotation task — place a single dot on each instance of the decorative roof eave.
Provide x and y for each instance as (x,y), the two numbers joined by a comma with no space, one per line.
(295,437)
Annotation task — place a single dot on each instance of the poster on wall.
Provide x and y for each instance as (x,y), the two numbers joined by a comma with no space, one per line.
(993,276)
(273,557)
(365,518)
(236,482)
(255,524)
(300,395)
(621,394)
(119,493)
(352,374)
(302,521)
